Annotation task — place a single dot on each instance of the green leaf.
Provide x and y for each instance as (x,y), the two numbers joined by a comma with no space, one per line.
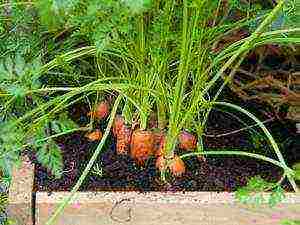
(11,138)
(258,184)
(49,13)
(243,195)
(49,155)
(9,159)
(19,64)
(17,91)
(63,124)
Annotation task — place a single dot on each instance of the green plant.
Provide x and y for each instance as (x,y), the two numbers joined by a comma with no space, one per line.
(253,193)
(97,169)
(200,105)
(19,80)
(289,222)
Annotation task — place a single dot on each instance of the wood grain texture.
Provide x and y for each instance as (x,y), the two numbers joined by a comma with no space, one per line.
(20,193)
(157,208)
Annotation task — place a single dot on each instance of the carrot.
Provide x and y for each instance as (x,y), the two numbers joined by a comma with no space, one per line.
(142,142)
(102,110)
(94,136)
(177,166)
(123,134)
(123,140)
(119,124)
(187,140)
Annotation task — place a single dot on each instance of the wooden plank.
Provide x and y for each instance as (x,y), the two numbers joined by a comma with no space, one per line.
(191,208)
(20,193)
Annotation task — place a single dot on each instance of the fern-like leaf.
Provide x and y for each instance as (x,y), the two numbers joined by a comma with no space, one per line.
(49,155)
(63,124)
(10,146)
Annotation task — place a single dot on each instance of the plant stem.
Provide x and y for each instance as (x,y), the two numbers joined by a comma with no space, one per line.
(179,87)
(242,153)
(236,131)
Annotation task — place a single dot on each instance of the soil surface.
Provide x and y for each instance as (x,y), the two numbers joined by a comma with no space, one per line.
(217,173)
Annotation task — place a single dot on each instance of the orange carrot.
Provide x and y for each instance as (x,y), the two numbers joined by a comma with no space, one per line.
(177,166)
(94,136)
(122,134)
(123,140)
(102,110)
(142,142)
(187,140)
(119,124)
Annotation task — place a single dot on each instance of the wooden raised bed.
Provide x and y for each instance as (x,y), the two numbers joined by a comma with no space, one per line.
(164,208)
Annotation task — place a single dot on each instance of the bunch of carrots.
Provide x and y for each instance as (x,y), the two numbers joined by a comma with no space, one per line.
(141,144)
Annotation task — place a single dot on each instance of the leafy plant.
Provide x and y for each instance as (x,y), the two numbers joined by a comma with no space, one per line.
(10,142)
(19,81)
(253,193)
(49,155)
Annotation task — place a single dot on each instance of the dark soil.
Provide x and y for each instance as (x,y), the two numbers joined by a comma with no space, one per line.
(218,173)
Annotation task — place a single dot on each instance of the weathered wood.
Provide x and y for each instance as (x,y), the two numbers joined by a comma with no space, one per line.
(191,208)
(20,193)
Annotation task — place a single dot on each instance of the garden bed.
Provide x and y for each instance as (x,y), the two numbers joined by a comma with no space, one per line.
(216,173)
(125,192)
